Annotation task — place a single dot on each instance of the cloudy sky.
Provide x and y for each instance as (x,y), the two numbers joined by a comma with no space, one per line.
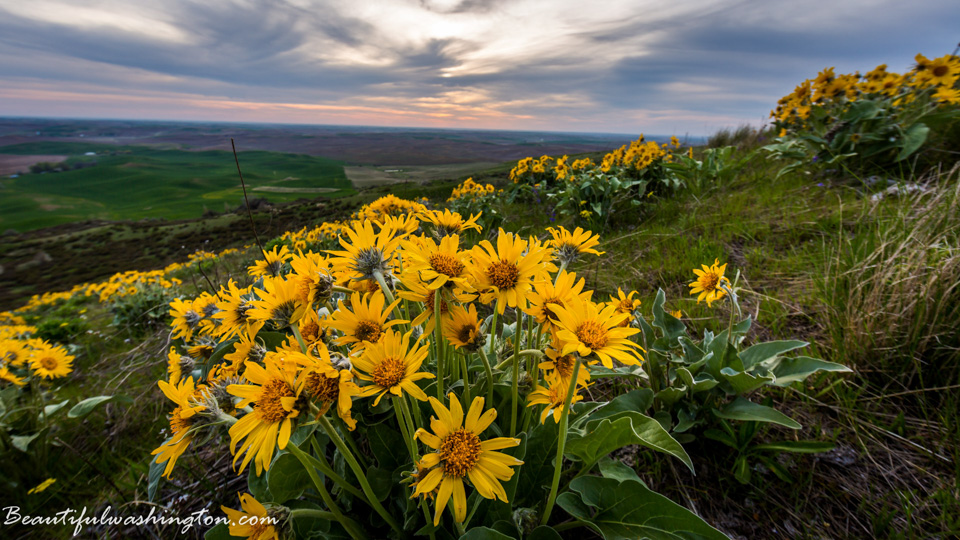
(619,66)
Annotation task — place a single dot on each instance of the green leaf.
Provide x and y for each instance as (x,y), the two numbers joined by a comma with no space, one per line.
(743,382)
(153,478)
(672,327)
(544,533)
(913,139)
(790,370)
(484,533)
(220,531)
(52,409)
(764,352)
(721,436)
(617,470)
(22,442)
(746,410)
(87,406)
(741,470)
(700,383)
(629,428)
(634,401)
(629,511)
(286,478)
(309,526)
(671,394)
(799,447)
(258,485)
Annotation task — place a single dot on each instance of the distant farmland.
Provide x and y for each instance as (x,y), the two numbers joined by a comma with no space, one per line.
(136,182)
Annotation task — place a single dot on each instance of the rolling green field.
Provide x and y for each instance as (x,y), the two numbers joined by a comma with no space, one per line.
(136,182)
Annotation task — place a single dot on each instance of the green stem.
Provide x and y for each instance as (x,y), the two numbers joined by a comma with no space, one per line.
(561,441)
(489,372)
(296,334)
(493,332)
(358,472)
(312,512)
(348,524)
(411,427)
(320,462)
(404,427)
(466,381)
(388,294)
(570,525)
(438,338)
(526,352)
(515,390)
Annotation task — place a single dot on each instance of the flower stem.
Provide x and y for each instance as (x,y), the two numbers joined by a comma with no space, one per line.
(323,466)
(335,513)
(515,390)
(561,441)
(438,338)
(358,472)
(489,371)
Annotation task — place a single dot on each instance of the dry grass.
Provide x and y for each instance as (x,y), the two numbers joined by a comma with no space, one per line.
(892,289)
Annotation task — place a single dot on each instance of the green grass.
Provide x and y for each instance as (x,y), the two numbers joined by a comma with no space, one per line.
(136,182)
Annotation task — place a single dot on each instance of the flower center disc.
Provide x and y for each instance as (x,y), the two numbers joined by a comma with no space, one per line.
(269,407)
(709,281)
(459,452)
(48,363)
(388,373)
(503,275)
(940,71)
(467,333)
(323,388)
(592,334)
(368,331)
(446,264)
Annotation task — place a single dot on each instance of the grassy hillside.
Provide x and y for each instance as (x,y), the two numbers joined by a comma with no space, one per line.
(136,182)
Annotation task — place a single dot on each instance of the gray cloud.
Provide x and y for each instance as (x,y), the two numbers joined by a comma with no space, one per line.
(480,59)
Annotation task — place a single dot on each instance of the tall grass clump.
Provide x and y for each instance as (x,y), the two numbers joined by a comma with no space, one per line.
(743,137)
(892,288)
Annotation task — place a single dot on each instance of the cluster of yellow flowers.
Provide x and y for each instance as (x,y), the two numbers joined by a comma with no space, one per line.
(123,284)
(535,168)
(471,190)
(322,332)
(636,156)
(639,155)
(939,77)
(23,356)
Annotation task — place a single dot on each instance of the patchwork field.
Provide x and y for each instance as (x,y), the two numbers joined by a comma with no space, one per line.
(136,182)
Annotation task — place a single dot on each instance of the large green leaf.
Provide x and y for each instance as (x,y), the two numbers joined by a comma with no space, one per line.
(630,511)
(745,410)
(286,478)
(671,326)
(544,533)
(617,470)
(220,531)
(484,533)
(153,478)
(763,352)
(800,447)
(743,382)
(88,405)
(633,401)
(913,139)
(599,439)
(790,370)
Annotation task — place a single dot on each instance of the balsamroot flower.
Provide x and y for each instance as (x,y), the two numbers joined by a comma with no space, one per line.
(459,453)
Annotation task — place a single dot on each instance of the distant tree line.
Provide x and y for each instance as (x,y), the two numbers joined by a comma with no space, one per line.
(49,166)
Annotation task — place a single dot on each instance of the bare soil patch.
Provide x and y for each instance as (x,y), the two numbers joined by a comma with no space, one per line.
(12,164)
